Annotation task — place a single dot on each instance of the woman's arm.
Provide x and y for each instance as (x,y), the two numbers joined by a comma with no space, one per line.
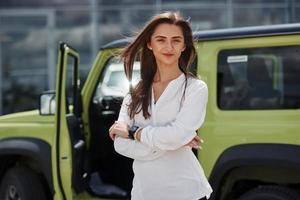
(131,148)
(182,130)
(136,150)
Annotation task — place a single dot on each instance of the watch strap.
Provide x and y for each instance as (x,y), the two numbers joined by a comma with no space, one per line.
(131,132)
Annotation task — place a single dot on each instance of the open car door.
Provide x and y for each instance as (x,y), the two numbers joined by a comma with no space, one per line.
(72,155)
(71,158)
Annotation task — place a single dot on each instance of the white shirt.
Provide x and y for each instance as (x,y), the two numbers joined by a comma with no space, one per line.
(165,169)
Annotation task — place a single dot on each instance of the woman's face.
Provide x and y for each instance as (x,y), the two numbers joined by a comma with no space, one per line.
(167,43)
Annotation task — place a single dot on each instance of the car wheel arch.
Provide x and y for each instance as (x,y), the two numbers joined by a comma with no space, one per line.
(250,155)
(31,152)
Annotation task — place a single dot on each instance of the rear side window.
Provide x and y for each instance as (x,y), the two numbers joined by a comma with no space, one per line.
(259,78)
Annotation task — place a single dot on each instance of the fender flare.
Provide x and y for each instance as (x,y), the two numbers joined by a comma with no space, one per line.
(36,149)
(264,154)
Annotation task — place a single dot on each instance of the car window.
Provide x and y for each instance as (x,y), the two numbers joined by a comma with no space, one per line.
(113,81)
(259,78)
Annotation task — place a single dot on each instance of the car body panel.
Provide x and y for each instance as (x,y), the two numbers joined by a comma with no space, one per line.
(223,128)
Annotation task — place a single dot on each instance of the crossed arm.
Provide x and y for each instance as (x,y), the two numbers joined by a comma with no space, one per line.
(154,141)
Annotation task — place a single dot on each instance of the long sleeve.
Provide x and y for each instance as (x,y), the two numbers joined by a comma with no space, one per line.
(183,129)
(131,148)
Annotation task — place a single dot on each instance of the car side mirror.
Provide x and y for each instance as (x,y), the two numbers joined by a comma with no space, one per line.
(47,103)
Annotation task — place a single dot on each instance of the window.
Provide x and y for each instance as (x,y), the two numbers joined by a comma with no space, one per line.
(114,82)
(70,83)
(259,78)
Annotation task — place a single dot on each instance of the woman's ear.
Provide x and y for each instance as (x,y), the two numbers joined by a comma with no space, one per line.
(149,46)
(182,50)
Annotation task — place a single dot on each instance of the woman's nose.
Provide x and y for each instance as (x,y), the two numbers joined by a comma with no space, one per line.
(169,45)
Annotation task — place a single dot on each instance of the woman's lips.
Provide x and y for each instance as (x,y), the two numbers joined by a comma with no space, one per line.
(168,54)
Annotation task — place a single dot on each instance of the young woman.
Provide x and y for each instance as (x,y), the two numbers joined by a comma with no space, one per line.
(158,118)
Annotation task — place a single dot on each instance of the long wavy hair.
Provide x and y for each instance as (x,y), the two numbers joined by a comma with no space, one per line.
(141,93)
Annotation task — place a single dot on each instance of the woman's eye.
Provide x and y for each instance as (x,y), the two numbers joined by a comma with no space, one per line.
(177,41)
(160,40)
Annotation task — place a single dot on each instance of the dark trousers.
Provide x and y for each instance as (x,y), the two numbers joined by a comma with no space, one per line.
(204,198)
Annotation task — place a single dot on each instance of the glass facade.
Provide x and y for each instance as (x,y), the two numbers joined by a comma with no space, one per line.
(31,30)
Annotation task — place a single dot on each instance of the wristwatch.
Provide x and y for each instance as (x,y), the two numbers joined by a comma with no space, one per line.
(131,132)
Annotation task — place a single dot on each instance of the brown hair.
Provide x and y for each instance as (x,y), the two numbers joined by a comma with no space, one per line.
(141,93)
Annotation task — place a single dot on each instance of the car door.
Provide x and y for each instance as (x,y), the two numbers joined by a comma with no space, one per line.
(70,142)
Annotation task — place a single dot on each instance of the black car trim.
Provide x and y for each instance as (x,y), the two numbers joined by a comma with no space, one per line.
(281,155)
(246,32)
(35,149)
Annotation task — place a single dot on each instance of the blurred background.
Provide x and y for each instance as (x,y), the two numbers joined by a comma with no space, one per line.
(30,31)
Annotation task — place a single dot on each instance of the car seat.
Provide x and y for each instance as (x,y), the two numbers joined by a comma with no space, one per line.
(262,95)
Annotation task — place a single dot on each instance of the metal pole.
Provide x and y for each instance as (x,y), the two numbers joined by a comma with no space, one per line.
(286,11)
(94,42)
(158,6)
(1,81)
(292,10)
(125,22)
(51,67)
(229,13)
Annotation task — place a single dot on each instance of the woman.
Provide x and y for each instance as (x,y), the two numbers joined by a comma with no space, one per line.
(158,118)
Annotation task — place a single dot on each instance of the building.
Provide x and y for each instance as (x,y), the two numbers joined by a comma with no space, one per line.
(31,30)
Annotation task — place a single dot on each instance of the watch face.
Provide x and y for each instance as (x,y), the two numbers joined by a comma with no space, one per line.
(131,131)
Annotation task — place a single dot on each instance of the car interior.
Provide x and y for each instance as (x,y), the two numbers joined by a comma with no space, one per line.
(247,85)
(111,173)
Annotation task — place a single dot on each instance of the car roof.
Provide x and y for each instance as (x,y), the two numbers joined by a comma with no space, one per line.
(228,33)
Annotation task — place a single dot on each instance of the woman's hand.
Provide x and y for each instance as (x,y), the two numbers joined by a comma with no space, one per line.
(118,129)
(195,143)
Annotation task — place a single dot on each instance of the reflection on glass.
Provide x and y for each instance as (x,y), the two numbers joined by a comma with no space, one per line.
(267,79)
(115,82)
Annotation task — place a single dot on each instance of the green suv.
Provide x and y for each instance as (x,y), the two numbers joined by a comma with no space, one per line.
(252,131)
